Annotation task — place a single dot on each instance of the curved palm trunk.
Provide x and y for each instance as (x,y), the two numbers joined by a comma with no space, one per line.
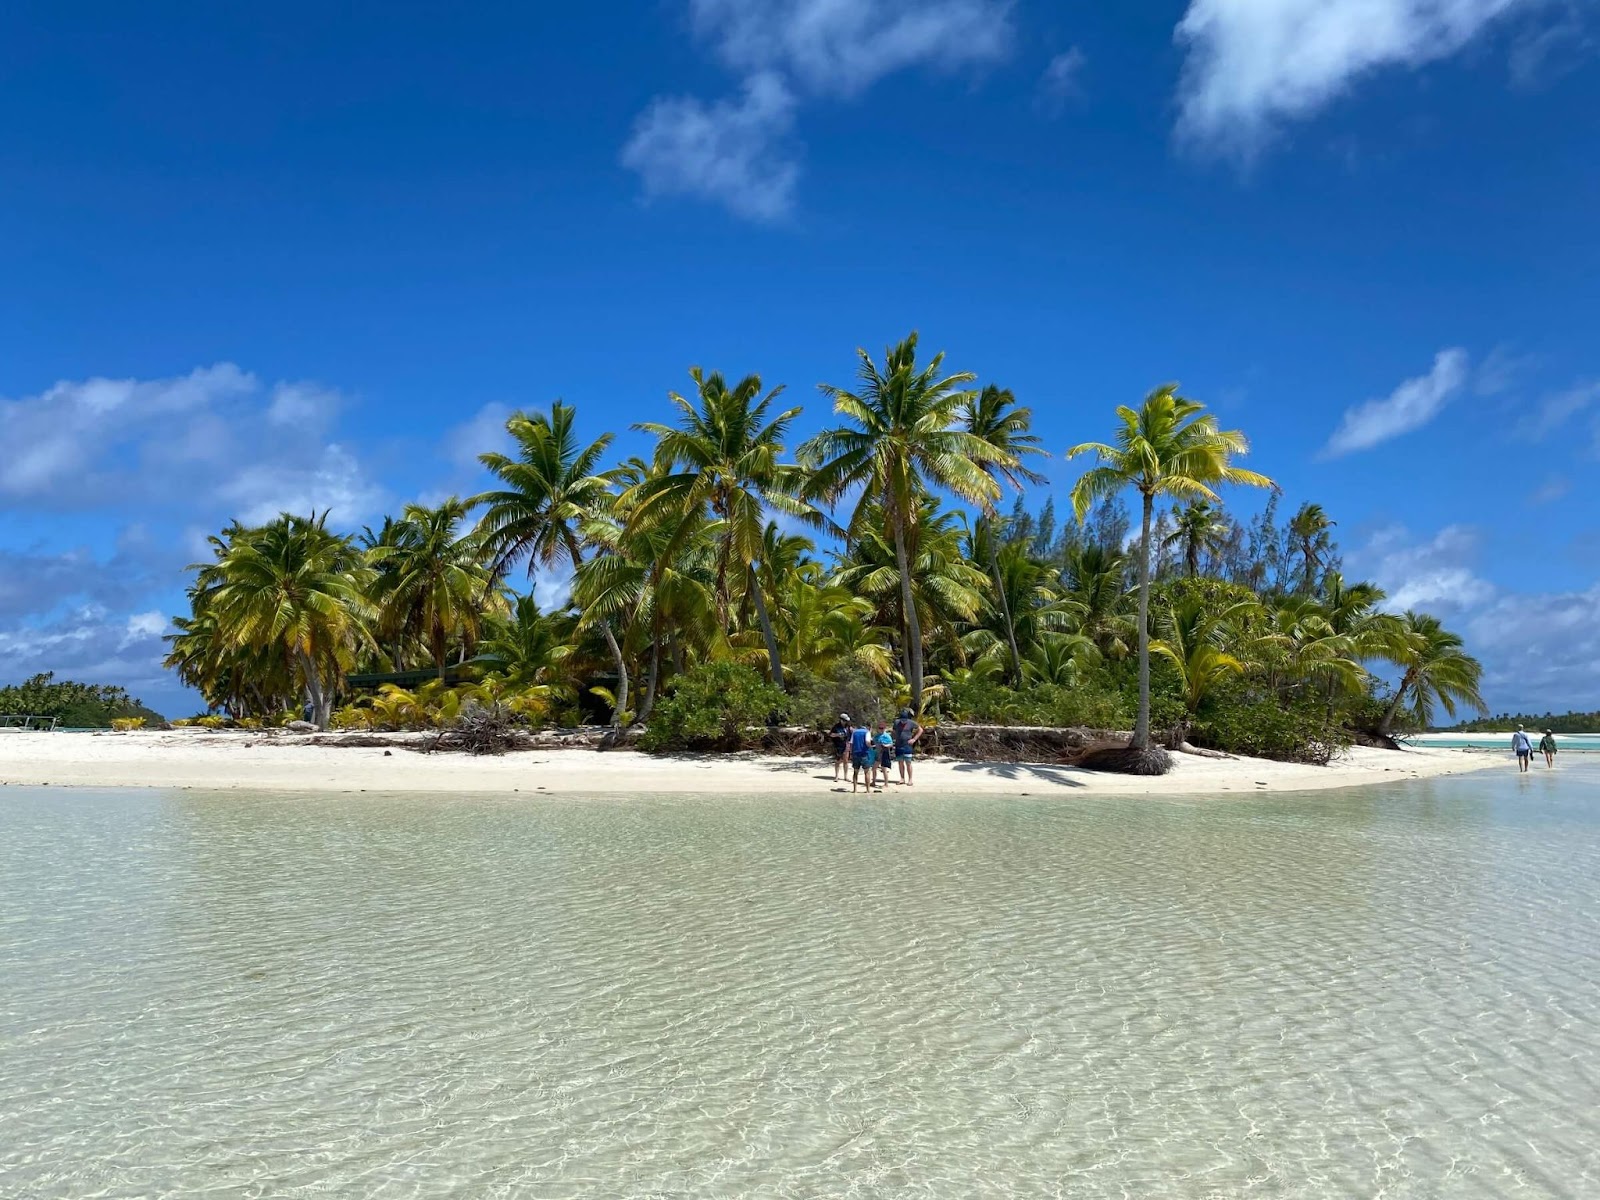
(321,698)
(766,626)
(1005,614)
(913,625)
(617,660)
(1141,728)
(647,706)
(1394,705)
(622,674)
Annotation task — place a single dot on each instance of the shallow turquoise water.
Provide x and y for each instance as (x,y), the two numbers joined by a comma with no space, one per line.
(1393,991)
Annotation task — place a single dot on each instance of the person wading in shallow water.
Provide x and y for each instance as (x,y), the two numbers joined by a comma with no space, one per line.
(1548,745)
(1524,749)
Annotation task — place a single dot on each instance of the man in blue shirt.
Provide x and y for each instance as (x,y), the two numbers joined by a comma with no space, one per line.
(860,755)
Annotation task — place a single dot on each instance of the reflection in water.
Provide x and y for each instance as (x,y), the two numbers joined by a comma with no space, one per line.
(1344,993)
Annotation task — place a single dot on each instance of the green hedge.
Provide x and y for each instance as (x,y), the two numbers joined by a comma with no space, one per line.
(710,708)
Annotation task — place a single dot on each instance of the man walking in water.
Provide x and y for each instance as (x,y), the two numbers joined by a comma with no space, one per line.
(1524,749)
(1548,744)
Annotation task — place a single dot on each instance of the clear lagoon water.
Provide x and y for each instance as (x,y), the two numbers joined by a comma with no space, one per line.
(1393,991)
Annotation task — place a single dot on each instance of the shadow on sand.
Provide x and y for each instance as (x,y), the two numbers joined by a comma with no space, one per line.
(1015,772)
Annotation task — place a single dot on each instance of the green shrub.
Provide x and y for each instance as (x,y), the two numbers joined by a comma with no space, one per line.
(211,721)
(819,699)
(1296,732)
(127,724)
(710,708)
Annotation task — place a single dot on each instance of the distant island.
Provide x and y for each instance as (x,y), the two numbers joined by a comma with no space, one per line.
(73,705)
(1572,722)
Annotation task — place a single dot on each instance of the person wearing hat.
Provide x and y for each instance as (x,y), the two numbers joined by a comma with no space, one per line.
(906,734)
(839,735)
(1524,749)
(1548,744)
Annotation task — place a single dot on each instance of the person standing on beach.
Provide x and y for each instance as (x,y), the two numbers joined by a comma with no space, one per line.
(906,735)
(839,736)
(860,756)
(1548,744)
(884,746)
(1524,749)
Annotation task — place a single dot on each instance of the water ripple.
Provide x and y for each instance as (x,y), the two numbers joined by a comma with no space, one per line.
(1379,993)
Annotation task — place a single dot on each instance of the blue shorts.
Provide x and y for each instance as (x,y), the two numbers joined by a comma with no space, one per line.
(860,761)
(902,751)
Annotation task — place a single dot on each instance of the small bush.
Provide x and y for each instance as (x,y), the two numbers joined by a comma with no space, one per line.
(211,721)
(819,699)
(711,707)
(350,717)
(127,724)
(1299,732)
(250,723)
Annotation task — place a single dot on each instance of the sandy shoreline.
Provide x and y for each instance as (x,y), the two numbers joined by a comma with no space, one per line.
(225,761)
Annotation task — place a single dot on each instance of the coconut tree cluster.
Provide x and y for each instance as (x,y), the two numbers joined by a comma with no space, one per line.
(872,565)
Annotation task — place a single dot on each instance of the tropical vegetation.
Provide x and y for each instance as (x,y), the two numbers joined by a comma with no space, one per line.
(733,576)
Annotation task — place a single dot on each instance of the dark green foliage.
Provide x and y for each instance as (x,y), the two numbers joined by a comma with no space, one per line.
(1299,732)
(74,705)
(1572,722)
(819,699)
(989,702)
(711,707)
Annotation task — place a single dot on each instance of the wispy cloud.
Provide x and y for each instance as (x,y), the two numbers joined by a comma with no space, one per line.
(1557,409)
(1552,489)
(217,437)
(741,151)
(1062,81)
(733,152)
(1254,65)
(1410,406)
(831,46)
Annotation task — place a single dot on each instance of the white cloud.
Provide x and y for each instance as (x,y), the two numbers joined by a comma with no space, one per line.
(845,46)
(740,151)
(1410,406)
(1541,651)
(1061,81)
(1434,576)
(1552,489)
(214,438)
(1254,65)
(334,481)
(733,152)
(1556,409)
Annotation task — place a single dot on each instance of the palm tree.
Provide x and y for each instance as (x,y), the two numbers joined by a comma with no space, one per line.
(297,589)
(994,418)
(1095,579)
(1199,528)
(1436,672)
(723,456)
(432,581)
(1309,528)
(904,436)
(1193,634)
(1166,447)
(551,490)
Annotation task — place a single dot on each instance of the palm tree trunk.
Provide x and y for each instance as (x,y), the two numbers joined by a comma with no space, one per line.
(649,703)
(1141,728)
(622,674)
(321,702)
(909,612)
(1394,705)
(1005,614)
(766,627)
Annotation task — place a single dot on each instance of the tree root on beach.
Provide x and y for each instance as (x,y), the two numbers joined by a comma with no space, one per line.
(1127,760)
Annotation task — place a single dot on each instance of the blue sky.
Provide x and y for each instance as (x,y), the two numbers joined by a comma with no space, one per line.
(291,256)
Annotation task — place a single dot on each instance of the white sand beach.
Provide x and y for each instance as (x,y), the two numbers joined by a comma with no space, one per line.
(236,760)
